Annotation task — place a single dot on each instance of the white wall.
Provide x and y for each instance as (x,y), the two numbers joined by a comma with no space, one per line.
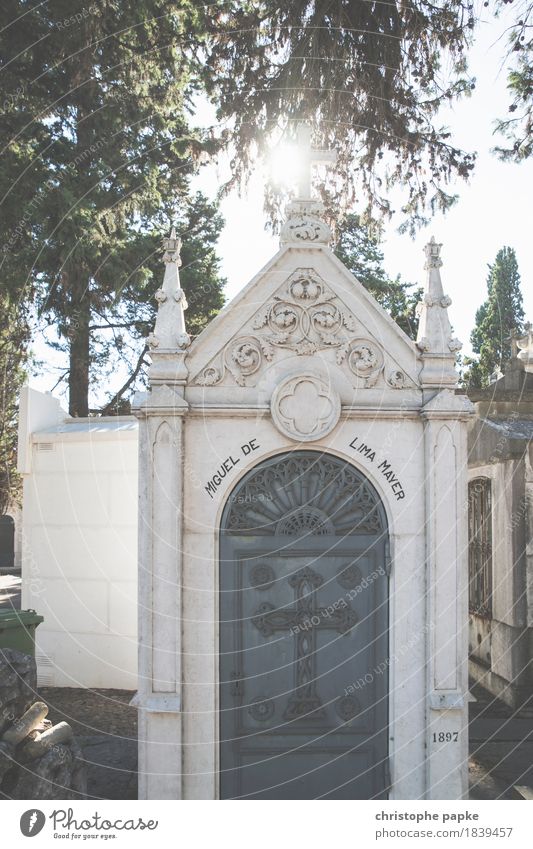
(79,548)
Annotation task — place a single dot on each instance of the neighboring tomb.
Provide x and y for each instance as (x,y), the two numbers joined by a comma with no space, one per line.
(500,503)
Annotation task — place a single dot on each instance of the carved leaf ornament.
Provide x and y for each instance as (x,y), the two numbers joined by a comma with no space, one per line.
(307,318)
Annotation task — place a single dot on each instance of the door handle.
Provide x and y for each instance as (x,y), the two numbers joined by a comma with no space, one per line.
(236,685)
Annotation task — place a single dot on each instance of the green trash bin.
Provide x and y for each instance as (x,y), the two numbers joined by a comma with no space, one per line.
(17,630)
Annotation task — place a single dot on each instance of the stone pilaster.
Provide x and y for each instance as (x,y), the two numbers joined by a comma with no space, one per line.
(161,414)
(444,418)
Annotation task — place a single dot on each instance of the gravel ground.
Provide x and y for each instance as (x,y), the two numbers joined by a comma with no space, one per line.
(501,742)
(91,712)
(106,729)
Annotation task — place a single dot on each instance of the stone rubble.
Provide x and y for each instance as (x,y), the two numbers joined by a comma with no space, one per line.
(38,760)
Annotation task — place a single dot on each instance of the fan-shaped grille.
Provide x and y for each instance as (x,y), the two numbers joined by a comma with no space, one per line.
(303,493)
(305,521)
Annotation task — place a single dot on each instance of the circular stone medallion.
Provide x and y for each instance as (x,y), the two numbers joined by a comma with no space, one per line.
(347,707)
(305,408)
(262,576)
(262,711)
(349,576)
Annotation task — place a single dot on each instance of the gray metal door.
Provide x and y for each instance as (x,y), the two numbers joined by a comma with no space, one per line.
(303,633)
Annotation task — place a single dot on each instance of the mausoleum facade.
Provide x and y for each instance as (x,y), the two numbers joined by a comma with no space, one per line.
(302,540)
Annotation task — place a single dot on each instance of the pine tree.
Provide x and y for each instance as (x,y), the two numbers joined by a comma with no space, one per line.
(360,251)
(98,158)
(118,335)
(496,319)
(518,127)
(369,77)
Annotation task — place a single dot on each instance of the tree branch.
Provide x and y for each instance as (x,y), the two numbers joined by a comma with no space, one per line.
(107,410)
(60,380)
(109,326)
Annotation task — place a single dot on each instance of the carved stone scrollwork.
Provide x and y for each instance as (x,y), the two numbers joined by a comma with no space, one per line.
(305,319)
(242,358)
(305,408)
(304,223)
(365,359)
(397,379)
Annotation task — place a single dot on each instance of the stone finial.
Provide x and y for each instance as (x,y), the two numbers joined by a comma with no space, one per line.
(304,222)
(435,338)
(432,252)
(170,339)
(525,345)
(172,248)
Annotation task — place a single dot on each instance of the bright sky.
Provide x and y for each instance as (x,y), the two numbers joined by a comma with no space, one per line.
(494,209)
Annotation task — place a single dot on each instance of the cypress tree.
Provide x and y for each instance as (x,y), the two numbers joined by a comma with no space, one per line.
(497,318)
(98,156)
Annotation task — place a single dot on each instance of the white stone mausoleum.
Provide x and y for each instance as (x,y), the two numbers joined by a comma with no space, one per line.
(303,540)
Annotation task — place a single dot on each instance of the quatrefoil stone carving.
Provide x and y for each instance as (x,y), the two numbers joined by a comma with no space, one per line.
(305,408)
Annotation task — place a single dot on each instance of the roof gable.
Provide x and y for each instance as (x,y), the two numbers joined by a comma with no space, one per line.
(304,302)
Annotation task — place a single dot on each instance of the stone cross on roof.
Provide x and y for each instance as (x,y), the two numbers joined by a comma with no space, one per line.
(309,157)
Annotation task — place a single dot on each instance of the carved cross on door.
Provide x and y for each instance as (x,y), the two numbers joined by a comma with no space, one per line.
(303,621)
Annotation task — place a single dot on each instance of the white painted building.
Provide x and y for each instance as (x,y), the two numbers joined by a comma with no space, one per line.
(79,543)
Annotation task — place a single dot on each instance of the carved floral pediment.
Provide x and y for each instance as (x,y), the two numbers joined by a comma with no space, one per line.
(304,317)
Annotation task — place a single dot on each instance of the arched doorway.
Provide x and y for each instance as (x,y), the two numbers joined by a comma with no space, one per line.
(303,633)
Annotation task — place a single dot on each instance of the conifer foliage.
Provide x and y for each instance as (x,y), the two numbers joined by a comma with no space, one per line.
(497,318)
(98,156)
(370,77)
(359,249)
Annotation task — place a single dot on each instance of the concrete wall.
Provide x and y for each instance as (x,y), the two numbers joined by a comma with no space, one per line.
(79,544)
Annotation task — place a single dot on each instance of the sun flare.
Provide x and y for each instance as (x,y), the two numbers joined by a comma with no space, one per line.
(284,165)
